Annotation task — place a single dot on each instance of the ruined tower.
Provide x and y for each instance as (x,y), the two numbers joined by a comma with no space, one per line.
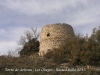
(53,35)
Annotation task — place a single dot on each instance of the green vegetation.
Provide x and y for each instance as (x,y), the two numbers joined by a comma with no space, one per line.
(30,47)
(30,66)
(78,51)
(29,42)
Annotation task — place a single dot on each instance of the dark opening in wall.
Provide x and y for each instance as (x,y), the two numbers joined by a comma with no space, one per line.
(48,34)
(49,50)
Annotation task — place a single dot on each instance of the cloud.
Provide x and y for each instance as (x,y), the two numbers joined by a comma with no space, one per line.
(9,39)
(31,7)
(17,15)
(85,14)
(12,33)
(2,31)
(5,46)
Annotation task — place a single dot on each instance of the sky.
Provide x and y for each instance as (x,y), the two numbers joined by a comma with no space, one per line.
(19,15)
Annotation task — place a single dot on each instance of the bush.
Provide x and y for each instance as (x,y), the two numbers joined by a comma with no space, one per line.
(78,50)
(29,42)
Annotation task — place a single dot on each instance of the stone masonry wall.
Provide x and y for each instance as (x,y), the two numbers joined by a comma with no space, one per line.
(53,35)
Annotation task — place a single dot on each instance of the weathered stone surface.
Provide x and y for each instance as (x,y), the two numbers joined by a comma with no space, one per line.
(53,35)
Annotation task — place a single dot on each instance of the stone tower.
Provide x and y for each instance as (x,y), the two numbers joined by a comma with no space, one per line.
(53,35)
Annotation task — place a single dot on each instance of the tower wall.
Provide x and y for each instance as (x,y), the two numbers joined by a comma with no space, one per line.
(53,35)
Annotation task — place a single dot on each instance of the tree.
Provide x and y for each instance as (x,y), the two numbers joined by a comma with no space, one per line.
(78,50)
(29,41)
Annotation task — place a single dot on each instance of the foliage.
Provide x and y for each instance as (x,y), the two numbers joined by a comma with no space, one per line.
(29,42)
(33,62)
(30,47)
(79,50)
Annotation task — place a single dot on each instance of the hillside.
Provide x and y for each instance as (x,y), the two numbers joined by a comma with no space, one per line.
(78,56)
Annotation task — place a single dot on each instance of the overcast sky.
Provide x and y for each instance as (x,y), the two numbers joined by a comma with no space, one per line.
(19,15)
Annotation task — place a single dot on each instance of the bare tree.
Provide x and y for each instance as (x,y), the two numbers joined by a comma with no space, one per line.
(28,35)
(29,42)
